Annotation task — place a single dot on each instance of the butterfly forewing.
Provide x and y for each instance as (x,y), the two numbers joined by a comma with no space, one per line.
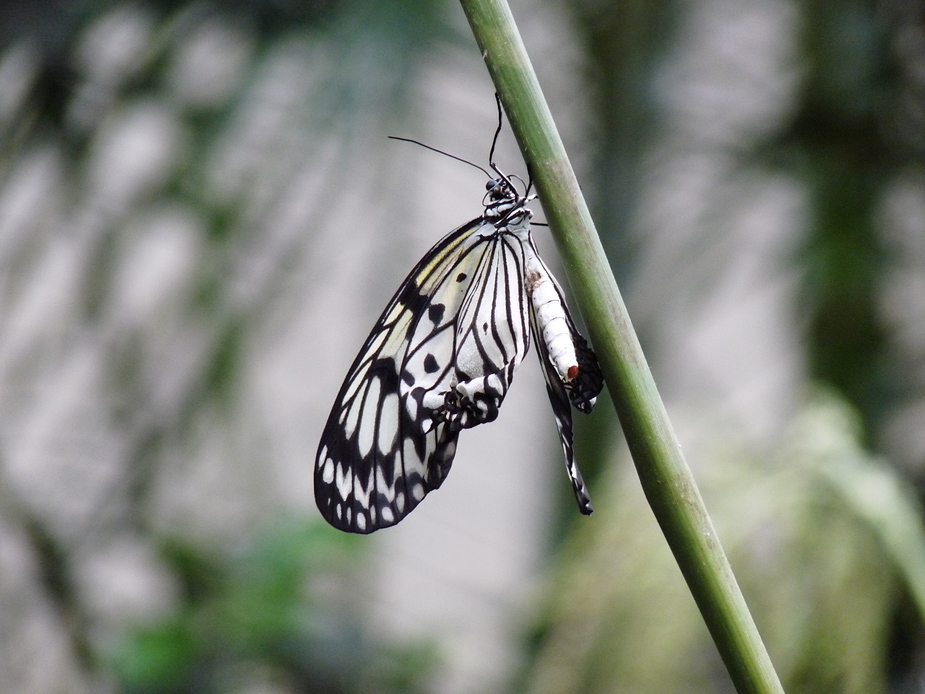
(440,358)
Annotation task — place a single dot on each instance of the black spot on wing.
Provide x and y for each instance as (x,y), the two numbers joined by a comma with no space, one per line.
(435,313)
(430,364)
(461,276)
(412,299)
(384,369)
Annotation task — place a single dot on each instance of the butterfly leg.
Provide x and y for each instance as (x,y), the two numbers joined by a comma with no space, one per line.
(475,402)
(469,403)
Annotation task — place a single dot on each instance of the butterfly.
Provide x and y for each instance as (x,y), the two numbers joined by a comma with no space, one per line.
(441,358)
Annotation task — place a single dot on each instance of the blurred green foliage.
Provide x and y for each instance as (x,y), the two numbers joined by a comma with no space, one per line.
(822,538)
(288,610)
(847,141)
(828,547)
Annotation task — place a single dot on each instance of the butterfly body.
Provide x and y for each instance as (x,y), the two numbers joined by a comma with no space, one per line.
(441,359)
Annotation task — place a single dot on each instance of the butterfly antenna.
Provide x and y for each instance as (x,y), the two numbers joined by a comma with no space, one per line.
(440,151)
(494,140)
(494,143)
(515,177)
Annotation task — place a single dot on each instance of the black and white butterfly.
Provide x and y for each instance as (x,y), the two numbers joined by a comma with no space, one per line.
(441,358)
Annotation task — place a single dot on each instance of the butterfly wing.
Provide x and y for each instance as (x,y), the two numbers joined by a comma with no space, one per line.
(561,409)
(440,359)
(570,367)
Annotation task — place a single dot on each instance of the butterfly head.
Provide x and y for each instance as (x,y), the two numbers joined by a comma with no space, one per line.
(504,205)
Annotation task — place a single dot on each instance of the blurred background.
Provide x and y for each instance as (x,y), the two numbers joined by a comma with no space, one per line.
(201,218)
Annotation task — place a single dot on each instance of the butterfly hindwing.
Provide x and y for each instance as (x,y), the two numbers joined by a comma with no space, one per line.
(492,335)
(570,367)
(562,411)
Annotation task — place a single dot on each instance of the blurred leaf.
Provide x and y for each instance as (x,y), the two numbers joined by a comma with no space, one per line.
(158,659)
(839,144)
(869,488)
(281,610)
(817,563)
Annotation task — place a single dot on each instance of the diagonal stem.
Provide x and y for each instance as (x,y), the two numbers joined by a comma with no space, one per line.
(663,472)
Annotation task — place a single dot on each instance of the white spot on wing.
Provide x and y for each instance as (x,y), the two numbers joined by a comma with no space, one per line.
(377,341)
(417,491)
(353,414)
(411,460)
(368,419)
(434,398)
(352,388)
(411,404)
(327,471)
(362,492)
(344,482)
(388,423)
(387,515)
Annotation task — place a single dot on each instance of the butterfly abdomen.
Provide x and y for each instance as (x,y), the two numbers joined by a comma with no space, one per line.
(552,321)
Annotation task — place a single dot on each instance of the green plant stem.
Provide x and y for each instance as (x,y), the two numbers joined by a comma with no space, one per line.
(663,472)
